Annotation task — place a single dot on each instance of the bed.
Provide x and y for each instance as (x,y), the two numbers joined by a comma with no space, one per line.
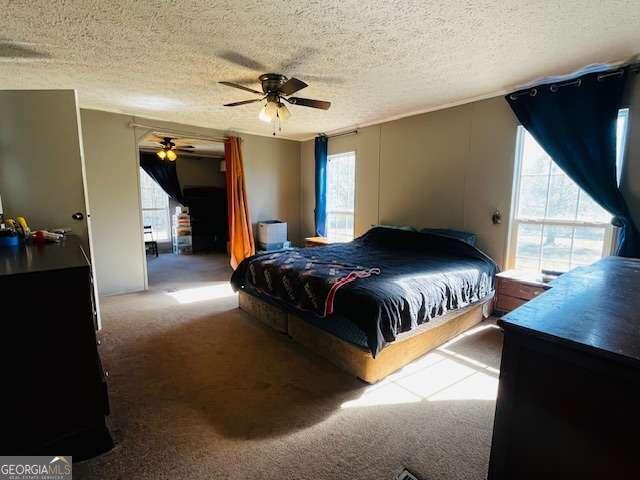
(374,304)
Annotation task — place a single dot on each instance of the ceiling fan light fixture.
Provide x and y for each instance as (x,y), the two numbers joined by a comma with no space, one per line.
(171,155)
(283,112)
(162,154)
(263,115)
(276,89)
(269,112)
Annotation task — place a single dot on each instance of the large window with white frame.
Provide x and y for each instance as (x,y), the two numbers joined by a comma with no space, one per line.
(556,225)
(341,186)
(155,208)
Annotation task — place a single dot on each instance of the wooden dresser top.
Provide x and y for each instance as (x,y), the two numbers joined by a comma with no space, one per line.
(32,258)
(594,308)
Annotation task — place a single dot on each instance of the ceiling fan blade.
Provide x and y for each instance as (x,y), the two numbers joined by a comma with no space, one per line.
(241,87)
(291,86)
(154,138)
(308,102)
(244,102)
(185,150)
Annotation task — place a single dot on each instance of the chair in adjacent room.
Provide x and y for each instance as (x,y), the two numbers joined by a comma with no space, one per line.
(150,244)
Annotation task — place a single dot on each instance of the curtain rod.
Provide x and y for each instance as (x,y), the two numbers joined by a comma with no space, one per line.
(554,86)
(157,129)
(350,132)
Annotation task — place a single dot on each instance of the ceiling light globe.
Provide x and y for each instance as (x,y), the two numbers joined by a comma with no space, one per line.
(263,115)
(171,155)
(271,109)
(283,112)
(162,154)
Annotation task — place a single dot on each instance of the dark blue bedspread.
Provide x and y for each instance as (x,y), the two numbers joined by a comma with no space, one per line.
(400,279)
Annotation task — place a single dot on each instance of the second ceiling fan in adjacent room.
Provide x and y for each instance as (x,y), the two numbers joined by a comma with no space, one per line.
(169,148)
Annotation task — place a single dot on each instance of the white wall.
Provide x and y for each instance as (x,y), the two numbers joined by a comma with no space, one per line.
(272,173)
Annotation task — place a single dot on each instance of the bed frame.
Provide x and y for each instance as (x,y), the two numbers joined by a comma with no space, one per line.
(357,360)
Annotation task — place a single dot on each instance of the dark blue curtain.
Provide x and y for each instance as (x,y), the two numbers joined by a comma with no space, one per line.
(321,185)
(575,122)
(164,173)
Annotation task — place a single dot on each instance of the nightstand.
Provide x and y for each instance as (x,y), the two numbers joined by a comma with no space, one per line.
(515,288)
(317,241)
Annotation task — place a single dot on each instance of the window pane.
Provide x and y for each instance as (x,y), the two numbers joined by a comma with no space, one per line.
(341,195)
(555,209)
(529,239)
(533,196)
(621,140)
(159,221)
(556,247)
(155,208)
(587,245)
(527,264)
(590,211)
(563,198)
(535,160)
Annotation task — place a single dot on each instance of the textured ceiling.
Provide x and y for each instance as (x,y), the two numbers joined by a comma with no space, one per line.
(372,60)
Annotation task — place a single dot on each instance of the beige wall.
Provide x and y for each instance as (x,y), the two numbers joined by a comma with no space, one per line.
(450,168)
(112,179)
(41,175)
(272,177)
(199,172)
(631,169)
(272,174)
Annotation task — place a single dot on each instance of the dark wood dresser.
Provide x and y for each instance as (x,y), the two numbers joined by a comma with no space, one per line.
(570,379)
(53,382)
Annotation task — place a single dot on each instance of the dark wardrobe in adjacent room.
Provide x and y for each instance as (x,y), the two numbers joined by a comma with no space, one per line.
(208,210)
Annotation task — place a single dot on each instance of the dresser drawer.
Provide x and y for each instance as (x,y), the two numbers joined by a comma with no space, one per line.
(518,290)
(505,303)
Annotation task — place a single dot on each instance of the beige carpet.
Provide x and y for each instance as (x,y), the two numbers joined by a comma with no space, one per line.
(201,390)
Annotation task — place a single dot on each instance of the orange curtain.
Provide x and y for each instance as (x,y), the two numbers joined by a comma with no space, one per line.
(241,243)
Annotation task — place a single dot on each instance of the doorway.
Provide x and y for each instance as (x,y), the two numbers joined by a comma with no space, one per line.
(183,210)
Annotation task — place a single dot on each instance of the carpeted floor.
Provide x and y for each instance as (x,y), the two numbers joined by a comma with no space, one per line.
(200,390)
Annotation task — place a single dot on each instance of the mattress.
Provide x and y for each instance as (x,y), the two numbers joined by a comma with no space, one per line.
(375,289)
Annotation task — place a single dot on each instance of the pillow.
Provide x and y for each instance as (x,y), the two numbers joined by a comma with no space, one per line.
(408,228)
(466,237)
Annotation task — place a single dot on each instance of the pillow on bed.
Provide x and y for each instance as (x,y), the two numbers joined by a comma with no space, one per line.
(466,237)
(408,228)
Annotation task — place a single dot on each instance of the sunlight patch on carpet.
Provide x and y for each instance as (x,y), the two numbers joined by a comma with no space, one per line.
(383,394)
(201,294)
(441,375)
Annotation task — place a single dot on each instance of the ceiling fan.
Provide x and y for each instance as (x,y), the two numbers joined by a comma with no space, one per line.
(168,148)
(277,89)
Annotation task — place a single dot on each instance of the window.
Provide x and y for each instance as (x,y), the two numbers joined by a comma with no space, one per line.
(341,186)
(556,226)
(155,208)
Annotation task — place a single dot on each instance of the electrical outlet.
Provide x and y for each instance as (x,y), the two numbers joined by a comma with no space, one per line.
(406,475)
